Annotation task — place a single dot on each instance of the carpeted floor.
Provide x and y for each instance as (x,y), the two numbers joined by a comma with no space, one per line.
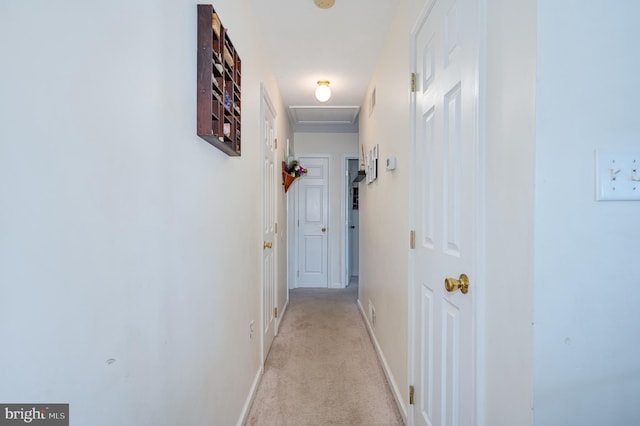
(322,368)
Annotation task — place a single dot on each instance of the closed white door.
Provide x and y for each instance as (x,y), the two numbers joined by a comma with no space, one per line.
(445,42)
(268,226)
(313,200)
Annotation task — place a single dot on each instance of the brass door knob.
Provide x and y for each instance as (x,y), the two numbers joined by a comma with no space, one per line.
(266,245)
(324,229)
(451,284)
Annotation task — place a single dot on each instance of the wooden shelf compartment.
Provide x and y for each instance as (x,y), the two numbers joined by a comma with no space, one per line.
(218,74)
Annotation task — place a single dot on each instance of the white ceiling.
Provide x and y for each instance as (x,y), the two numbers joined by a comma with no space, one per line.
(307,44)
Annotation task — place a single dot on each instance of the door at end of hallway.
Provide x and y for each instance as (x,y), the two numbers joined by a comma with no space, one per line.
(312,227)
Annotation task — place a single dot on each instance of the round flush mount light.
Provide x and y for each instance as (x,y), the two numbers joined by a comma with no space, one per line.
(324,4)
(323,92)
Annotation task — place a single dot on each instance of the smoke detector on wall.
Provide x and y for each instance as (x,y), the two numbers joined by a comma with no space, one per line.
(324,4)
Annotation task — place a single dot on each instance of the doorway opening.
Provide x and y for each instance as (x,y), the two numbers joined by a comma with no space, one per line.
(351,214)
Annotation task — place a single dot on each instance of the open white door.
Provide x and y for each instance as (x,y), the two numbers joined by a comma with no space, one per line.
(445,179)
(313,209)
(269,293)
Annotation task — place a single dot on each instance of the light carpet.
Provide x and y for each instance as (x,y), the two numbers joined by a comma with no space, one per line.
(322,368)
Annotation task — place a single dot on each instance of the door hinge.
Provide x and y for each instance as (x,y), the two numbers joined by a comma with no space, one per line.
(412,239)
(298,274)
(275,143)
(412,392)
(275,228)
(413,81)
(275,312)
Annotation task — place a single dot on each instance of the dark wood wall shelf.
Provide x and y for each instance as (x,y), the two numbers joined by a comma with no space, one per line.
(219,84)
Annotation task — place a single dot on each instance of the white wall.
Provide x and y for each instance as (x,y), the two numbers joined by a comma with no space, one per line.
(130,249)
(586,369)
(336,146)
(506,307)
(384,213)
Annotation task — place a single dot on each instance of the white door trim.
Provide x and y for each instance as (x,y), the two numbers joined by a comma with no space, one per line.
(479,215)
(412,219)
(292,238)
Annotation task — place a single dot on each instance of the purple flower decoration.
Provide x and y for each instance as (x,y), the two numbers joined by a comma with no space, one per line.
(295,169)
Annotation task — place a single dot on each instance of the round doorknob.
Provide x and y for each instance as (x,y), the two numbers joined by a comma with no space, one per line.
(451,284)
(324,229)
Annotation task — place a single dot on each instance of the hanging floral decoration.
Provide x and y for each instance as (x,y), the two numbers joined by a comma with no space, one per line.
(291,172)
(295,169)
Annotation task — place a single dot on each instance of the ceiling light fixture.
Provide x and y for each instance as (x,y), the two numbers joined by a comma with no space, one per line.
(323,92)
(324,4)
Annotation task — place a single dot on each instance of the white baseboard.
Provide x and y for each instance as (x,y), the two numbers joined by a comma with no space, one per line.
(258,378)
(281,316)
(385,366)
(250,397)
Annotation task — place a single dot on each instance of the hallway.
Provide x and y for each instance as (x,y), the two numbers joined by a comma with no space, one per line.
(132,250)
(322,368)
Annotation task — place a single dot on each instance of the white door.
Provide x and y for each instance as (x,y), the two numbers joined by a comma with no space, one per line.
(445,49)
(313,200)
(268,226)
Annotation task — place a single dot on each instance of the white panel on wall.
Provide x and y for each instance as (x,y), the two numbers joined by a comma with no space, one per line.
(586,322)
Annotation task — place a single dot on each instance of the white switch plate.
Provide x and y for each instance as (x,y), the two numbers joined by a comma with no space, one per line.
(617,174)
(391,163)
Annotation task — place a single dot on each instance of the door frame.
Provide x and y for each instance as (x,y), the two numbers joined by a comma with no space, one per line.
(265,102)
(478,215)
(293,256)
(346,234)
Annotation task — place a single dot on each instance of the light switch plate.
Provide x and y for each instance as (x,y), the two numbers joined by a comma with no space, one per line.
(391,163)
(617,174)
